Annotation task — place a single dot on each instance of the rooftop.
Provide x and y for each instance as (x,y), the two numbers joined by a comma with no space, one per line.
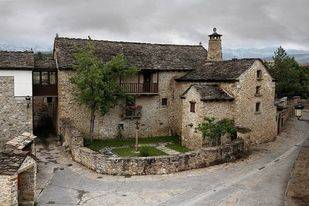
(21,60)
(211,92)
(44,61)
(145,56)
(216,71)
(10,161)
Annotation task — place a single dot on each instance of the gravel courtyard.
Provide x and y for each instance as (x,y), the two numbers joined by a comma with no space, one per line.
(259,179)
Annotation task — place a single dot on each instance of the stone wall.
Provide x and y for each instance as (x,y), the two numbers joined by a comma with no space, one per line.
(191,136)
(263,124)
(27,181)
(149,165)
(8,190)
(156,119)
(15,115)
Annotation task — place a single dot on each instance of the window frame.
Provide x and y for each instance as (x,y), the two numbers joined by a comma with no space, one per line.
(258,90)
(258,107)
(259,74)
(192,107)
(164,102)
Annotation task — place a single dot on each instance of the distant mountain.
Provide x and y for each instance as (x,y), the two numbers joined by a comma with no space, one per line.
(12,47)
(266,53)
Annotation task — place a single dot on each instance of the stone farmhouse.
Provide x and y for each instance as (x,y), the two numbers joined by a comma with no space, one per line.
(177,86)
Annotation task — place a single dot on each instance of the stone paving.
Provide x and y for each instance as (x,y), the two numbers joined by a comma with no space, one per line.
(260,179)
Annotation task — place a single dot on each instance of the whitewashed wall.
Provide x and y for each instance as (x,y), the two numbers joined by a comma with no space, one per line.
(22,81)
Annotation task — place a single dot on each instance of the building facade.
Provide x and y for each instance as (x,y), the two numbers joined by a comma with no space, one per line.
(176,88)
(15,93)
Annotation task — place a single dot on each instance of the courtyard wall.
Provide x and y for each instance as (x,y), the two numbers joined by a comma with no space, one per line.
(148,165)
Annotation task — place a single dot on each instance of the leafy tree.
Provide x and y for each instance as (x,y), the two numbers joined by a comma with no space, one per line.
(96,84)
(213,130)
(291,78)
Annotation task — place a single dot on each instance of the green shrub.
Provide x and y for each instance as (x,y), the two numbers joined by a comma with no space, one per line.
(212,130)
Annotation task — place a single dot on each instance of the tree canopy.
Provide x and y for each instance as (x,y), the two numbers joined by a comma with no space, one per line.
(291,78)
(96,83)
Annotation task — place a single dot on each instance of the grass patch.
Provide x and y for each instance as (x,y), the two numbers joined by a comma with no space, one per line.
(98,144)
(178,147)
(144,151)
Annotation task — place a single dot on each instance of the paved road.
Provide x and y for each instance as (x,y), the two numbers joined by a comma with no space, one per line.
(260,179)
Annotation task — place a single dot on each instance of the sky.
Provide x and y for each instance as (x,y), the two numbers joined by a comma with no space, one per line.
(243,23)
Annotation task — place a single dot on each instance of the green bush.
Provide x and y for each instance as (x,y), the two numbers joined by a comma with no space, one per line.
(212,130)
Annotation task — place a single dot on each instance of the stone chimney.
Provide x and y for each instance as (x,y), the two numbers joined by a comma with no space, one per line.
(214,47)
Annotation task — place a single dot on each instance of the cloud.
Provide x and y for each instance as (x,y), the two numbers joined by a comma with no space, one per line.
(244,23)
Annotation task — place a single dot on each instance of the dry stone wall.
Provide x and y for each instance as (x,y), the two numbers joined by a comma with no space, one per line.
(148,165)
(15,115)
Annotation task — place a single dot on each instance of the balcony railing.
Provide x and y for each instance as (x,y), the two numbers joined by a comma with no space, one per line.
(140,88)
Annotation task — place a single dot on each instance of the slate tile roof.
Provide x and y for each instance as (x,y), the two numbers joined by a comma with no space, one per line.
(213,71)
(17,60)
(145,56)
(10,161)
(211,92)
(44,61)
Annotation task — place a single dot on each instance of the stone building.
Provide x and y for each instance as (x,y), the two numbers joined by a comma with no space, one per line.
(15,93)
(45,93)
(239,89)
(153,87)
(178,86)
(18,171)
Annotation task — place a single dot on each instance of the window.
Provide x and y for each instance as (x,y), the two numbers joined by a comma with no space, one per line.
(36,78)
(192,107)
(49,99)
(52,78)
(258,90)
(259,74)
(164,102)
(44,78)
(257,107)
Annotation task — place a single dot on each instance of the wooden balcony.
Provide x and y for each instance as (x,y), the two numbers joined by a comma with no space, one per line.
(45,90)
(140,88)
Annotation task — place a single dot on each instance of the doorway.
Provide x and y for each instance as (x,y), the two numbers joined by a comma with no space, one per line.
(147,82)
(45,116)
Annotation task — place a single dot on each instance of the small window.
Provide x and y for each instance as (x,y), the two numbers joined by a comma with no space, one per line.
(192,107)
(259,74)
(258,90)
(36,78)
(52,78)
(164,102)
(258,107)
(44,77)
(49,99)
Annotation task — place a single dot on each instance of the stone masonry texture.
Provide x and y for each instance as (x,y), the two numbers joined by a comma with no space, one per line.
(148,165)
(262,124)
(15,116)
(156,119)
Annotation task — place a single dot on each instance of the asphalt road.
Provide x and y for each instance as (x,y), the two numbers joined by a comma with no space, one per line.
(259,179)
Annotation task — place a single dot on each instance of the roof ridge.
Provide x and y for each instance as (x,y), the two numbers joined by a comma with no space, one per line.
(145,43)
(26,51)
